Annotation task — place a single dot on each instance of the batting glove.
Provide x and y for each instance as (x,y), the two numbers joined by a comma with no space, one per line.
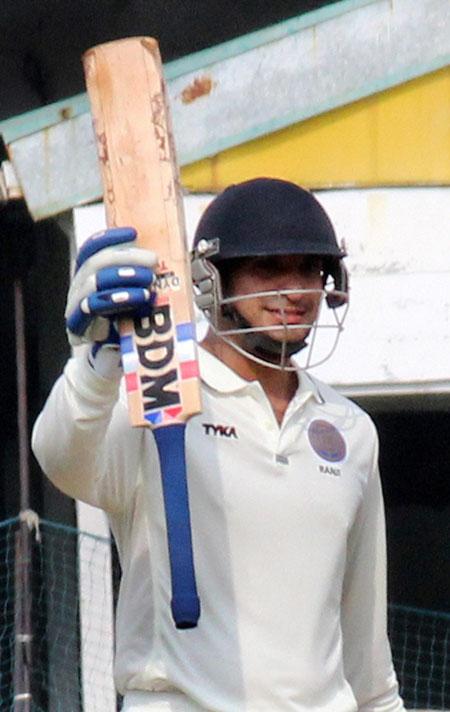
(112,278)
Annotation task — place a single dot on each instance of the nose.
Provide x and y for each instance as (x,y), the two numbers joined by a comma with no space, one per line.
(297,280)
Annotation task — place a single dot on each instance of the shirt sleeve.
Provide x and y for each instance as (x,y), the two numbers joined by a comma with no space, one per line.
(83,441)
(367,655)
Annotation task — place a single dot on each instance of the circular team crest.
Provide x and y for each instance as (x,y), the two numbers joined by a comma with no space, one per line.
(327,441)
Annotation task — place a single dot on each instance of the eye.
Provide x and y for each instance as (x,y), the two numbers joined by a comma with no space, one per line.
(312,266)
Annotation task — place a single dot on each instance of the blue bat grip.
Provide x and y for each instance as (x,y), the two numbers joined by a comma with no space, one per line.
(185,602)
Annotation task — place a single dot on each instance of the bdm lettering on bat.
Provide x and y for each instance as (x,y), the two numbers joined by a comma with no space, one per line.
(155,343)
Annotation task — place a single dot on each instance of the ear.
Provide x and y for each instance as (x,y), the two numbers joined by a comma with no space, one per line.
(339,295)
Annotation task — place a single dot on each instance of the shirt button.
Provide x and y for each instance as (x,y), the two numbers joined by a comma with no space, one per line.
(282,459)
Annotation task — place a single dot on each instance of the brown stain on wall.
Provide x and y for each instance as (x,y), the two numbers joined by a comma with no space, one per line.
(201,86)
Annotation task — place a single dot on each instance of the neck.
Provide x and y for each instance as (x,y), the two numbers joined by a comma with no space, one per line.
(279,386)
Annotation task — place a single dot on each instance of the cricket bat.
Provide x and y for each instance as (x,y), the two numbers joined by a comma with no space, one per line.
(136,153)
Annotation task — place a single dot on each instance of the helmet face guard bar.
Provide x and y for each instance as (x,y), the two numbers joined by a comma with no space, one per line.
(224,320)
(338,298)
(307,350)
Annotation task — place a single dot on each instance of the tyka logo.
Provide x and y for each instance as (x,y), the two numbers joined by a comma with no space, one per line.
(224,431)
(159,383)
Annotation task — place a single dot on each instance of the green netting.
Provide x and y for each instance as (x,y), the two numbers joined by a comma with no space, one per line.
(71,573)
(7,557)
(60,643)
(420,641)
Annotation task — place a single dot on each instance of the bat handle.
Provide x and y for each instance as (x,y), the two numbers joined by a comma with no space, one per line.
(185,603)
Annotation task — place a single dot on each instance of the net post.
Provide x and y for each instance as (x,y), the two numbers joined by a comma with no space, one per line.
(22,574)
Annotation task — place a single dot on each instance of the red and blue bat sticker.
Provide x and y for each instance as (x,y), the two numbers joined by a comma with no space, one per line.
(158,366)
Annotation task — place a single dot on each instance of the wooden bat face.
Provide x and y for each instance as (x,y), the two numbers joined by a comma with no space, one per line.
(141,188)
(160,363)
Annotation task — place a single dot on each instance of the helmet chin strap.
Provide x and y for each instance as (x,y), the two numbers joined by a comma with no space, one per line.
(261,345)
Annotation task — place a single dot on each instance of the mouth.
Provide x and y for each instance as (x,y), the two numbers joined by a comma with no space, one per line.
(291,316)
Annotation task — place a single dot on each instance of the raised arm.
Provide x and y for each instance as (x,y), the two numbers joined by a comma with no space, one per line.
(83,432)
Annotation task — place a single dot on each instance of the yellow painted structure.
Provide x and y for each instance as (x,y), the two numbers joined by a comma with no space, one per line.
(398,137)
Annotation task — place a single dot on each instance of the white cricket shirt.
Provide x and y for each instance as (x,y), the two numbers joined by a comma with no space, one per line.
(288,535)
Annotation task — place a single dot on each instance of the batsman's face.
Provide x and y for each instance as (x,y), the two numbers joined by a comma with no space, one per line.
(287,291)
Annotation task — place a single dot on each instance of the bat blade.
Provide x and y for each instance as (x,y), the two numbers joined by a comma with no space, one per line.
(137,160)
(136,153)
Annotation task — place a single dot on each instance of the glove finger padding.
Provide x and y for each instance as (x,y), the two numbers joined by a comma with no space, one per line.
(112,278)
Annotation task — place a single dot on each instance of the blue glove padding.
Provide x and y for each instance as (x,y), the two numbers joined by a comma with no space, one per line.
(112,278)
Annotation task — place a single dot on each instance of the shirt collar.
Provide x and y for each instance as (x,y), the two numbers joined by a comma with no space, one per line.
(223,379)
(219,376)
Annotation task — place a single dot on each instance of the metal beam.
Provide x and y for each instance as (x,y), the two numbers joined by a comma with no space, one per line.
(250,87)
